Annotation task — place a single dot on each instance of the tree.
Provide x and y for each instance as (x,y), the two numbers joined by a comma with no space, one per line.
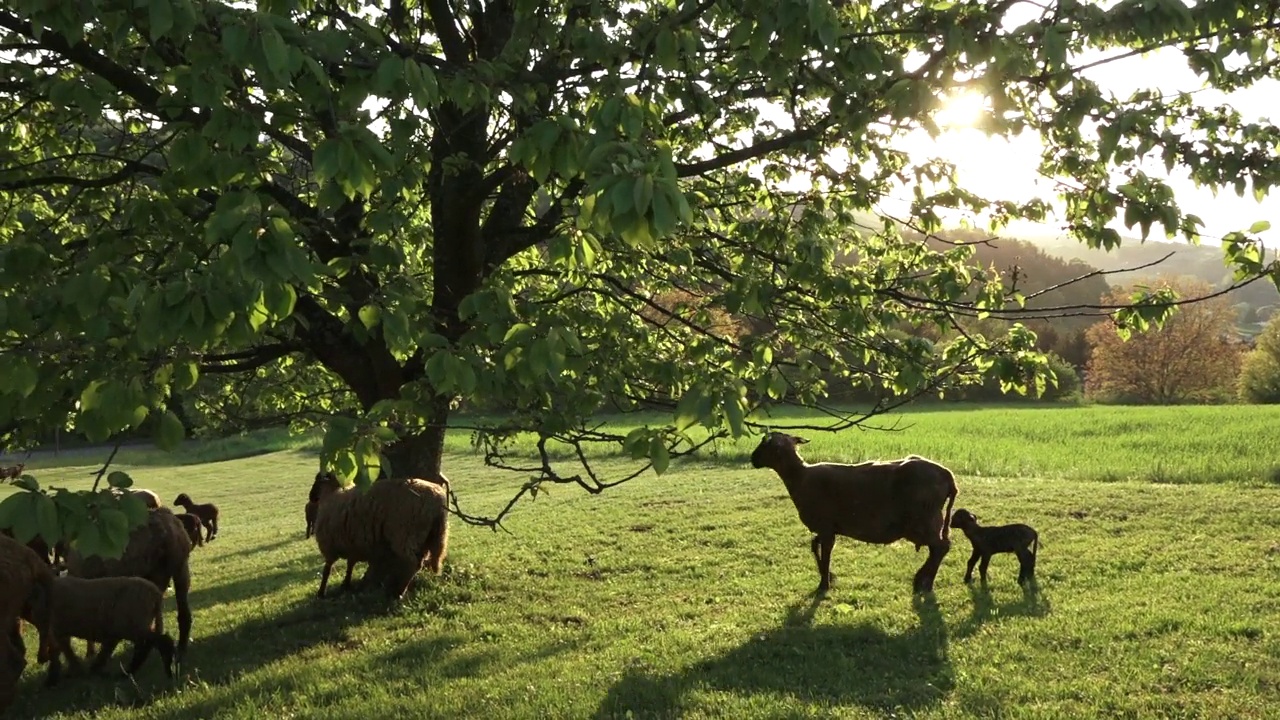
(1259,380)
(437,202)
(1195,356)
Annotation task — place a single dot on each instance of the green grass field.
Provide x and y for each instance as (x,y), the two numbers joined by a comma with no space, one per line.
(690,594)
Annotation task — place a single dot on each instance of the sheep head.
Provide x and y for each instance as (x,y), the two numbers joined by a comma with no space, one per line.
(776,449)
(962,519)
(325,483)
(183,499)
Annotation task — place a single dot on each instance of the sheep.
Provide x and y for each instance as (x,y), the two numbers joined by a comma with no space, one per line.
(1021,540)
(12,473)
(396,525)
(310,511)
(149,497)
(876,502)
(159,551)
(207,512)
(194,528)
(21,569)
(105,610)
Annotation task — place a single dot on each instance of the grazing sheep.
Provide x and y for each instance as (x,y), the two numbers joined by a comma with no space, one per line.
(105,610)
(876,502)
(310,512)
(207,512)
(1021,540)
(11,473)
(194,528)
(159,551)
(394,525)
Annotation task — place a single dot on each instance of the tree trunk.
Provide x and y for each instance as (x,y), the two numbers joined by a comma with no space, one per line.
(420,454)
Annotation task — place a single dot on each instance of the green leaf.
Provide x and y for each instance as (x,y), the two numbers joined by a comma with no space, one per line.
(659,455)
(169,431)
(161,18)
(1259,226)
(370,315)
(185,375)
(47,518)
(119,479)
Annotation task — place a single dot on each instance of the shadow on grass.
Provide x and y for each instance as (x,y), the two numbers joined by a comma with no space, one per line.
(829,664)
(1033,604)
(268,547)
(214,659)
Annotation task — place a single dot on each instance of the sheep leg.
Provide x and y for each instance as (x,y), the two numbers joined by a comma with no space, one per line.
(346,581)
(973,561)
(103,656)
(324,576)
(824,544)
(181,591)
(1026,566)
(213,529)
(982,568)
(55,671)
(938,550)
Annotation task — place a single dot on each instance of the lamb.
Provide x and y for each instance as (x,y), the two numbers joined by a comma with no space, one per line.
(207,512)
(105,610)
(876,502)
(1021,540)
(310,512)
(396,525)
(193,526)
(159,551)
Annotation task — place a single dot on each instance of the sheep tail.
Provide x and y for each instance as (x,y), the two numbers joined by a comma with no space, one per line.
(437,541)
(951,501)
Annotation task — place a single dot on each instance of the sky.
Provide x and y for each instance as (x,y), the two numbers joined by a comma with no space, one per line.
(1006,168)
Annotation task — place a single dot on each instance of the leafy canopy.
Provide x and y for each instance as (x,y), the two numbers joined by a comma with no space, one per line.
(373,213)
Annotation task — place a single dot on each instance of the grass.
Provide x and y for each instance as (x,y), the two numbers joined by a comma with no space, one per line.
(690,594)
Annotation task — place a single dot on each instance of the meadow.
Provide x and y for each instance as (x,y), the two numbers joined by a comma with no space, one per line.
(691,594)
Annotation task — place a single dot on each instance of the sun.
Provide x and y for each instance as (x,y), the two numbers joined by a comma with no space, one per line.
(961,110)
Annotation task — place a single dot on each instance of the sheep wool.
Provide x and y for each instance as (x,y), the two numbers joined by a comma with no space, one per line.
(106,610)
(159,551)
(194,529)
(12,662)
(396,525)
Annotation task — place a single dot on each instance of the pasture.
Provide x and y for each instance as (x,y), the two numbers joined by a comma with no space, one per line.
(690,594)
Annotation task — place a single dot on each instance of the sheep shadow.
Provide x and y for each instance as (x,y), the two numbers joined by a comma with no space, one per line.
(833,665)
(293,575)
(1033,604)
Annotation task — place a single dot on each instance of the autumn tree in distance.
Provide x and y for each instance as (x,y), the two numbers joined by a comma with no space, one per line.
(394,208)
(1259,380)
(1193,357)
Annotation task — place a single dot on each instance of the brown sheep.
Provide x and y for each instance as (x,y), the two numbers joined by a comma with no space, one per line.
(396,525)
(207,512)
(159,551)
(20,571)
(310,512)
(105,610)
(1021,540)
(876,502)
(194,528)
(11,473)
(38,545)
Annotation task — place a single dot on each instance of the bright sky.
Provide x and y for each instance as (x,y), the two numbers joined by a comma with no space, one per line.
(1006,169)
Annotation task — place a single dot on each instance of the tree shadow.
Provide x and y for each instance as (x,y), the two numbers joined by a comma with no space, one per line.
(250,587)
(831,664)
(1033,603)
(267,547)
